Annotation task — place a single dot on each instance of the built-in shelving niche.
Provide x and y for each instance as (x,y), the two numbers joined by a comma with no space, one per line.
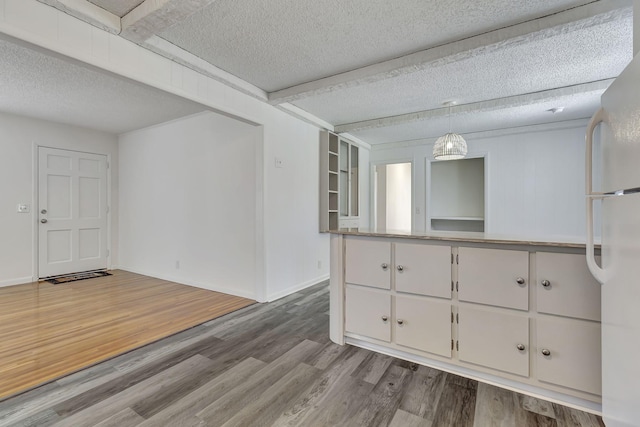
(457,195)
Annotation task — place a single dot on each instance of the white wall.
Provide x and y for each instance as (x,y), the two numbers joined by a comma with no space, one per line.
(188,202)
(291,242)
(19,138)
(535,178)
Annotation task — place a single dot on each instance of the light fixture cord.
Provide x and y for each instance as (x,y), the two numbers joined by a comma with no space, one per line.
(449,118)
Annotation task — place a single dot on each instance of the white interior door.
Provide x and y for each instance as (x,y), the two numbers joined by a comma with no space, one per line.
(72,211)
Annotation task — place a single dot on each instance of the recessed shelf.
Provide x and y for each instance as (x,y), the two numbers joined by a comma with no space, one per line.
(458,218)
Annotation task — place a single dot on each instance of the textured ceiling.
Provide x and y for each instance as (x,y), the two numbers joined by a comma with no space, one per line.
(37,85)
(275,44)
(117,7)
(587,55)
(576,107)
(389,64)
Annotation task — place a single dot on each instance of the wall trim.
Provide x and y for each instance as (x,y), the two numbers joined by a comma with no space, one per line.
(16,281)
(190,282)
(296,288)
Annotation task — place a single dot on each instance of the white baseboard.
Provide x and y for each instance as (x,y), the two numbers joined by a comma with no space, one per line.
(190,282)
(277,295)
(18,281)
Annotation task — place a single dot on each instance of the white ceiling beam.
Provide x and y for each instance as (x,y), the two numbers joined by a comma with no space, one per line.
(152,17)
(578,18)
(169,50)
(87,12)
(477,107)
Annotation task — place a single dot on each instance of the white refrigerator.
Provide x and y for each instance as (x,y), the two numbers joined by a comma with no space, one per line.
(619,190)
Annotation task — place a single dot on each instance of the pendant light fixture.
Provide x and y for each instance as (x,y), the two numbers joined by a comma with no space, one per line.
(450,146)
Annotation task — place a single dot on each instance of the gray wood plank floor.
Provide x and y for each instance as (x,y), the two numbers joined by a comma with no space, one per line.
(274,365)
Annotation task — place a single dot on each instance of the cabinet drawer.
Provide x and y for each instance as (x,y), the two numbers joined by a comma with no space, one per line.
(490,276)
(491,339)
(424,325)
(574,353)
(365,313)
(570,288)
(368,263)
(423,269)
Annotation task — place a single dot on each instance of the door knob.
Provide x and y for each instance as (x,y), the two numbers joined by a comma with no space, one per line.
(546,352)
(43,211)
(520,281)
(385,318)
(400,322)
(384,266)
(520,347)
(545,283)
(43,220)
(400,268)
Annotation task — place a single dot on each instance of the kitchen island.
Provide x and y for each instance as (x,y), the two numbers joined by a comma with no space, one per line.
(523,314)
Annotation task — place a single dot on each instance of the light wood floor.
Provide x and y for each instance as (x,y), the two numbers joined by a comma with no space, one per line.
(274,365)
(48,331)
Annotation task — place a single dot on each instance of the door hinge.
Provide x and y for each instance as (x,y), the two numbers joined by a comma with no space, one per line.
(457,259)
(108,165)
(457,318)
(452,317)
(451,258)
(456,286)
(452,345)
(457,345)
(452,286)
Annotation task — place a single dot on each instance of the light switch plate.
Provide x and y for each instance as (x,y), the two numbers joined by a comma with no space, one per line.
(22,208)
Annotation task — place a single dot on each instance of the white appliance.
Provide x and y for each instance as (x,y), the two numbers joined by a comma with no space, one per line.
(620,271)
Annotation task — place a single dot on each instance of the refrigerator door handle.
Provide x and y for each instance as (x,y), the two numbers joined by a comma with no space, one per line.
(595,269)
(597,118)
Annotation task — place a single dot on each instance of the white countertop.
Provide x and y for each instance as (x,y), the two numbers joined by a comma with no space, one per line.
(468,237)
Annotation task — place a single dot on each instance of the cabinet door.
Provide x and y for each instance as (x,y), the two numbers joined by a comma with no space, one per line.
(566,287)
(423,269)
(491,339)
(494,277)
(368,313)
(424,325)
(368,262)
(574,353)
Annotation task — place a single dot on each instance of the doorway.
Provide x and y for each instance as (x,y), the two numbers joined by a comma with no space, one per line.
(393,196)
(72,212)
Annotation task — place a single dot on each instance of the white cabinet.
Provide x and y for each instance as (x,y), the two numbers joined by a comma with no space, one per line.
(568,353)
(369,313)
(566,287)
(423,324)
(368,263)
(494,276)
(423,269)
(494,339)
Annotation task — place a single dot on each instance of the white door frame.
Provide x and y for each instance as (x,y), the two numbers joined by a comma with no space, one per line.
(36,208)
(372,188)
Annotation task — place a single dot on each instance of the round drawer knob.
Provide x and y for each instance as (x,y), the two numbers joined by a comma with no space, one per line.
(520,281)
(546,352)
(400,268)
(43,220)
(520,347)
(384,266)
(400,322)
(385,318)
(545,283)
